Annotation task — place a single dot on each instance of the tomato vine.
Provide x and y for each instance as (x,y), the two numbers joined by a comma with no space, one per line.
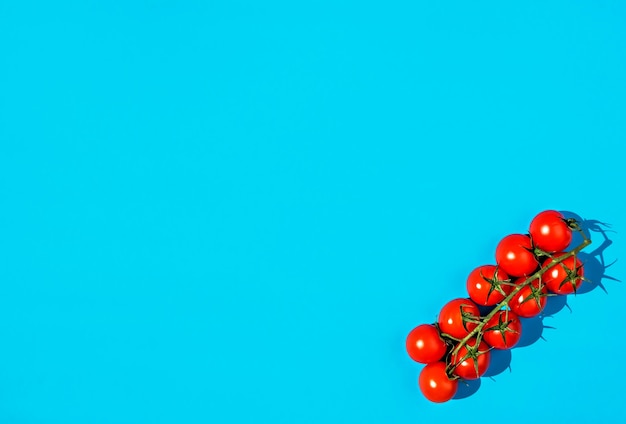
(460,327)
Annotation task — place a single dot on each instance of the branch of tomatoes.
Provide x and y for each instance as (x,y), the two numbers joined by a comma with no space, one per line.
(529,268)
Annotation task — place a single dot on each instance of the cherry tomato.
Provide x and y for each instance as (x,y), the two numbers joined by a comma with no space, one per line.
(454,322)
(483,285)
(515,256)
(476,364)
(503,330)
(563,278)
(424,345)
(530,300)
(550,231)
(435,383)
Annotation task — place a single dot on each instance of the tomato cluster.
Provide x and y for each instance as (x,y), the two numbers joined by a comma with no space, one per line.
(528,267)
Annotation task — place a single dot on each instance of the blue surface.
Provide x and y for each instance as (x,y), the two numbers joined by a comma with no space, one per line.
(235,212)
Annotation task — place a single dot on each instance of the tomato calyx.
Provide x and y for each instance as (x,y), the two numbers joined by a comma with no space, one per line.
(572,224)
(503,326)
(573,268)
(572,275)
(472,352)
(495,284)
(536,293)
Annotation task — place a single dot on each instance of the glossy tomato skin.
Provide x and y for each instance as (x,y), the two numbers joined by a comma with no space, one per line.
(550,232)
(478,285)
(503,330)
(466,369)
(450,320)
(556,276)
(424,345)
(514,255)
(533,306)
(435,384)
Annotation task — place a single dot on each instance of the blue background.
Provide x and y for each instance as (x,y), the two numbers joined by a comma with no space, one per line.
(235,211)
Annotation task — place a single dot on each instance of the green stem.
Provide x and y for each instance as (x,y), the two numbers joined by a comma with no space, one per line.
(586,242)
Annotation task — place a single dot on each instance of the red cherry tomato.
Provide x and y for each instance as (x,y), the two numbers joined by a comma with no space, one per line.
(483,285)
(550,231)
(515,256)
(454,322)
(424,345)
(530,300)
(563,278)
(435,383)
(478,359)
(503,330)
